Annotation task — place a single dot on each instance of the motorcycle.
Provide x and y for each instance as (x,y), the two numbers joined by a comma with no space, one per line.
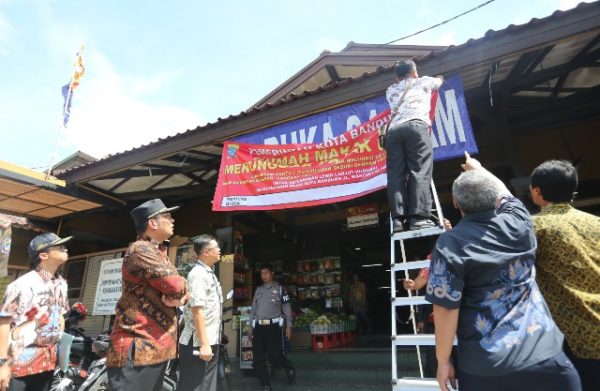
(81,354)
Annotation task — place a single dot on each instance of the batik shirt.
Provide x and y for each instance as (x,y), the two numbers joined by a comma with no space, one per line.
(205,292)
(141,318)
(36,303)
(485,268)
(568,262)
(417,101)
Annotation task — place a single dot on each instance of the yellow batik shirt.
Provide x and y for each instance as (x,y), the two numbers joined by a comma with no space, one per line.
(568,273)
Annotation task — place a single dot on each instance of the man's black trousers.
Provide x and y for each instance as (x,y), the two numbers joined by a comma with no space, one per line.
(554,374)
(409,169)
(267,345)
(196,374)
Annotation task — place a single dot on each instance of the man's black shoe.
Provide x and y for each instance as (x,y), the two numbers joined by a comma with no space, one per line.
(397,225)
(416,224)
(291,374)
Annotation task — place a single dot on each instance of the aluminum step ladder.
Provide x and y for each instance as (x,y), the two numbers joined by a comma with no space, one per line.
(415,339)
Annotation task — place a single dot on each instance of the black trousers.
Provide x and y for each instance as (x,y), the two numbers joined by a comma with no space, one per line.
(409,169)
(267,345)
(132,378)
(554,374)
(196,374)
(38,382)
(589,370)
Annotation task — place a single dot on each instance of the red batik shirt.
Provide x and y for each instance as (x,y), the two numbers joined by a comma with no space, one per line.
(141,317)
(36,303)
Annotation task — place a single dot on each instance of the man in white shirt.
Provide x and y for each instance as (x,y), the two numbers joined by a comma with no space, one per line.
(408,146)
(199,341)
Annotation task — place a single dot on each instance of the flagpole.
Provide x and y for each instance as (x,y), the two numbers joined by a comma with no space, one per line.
(67,102)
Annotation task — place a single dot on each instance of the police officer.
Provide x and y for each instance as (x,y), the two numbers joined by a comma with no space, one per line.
(271,310)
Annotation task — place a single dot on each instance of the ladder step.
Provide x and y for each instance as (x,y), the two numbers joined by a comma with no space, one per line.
(418,233)
(415,300)
(396,267)
(416,384)
(414,339)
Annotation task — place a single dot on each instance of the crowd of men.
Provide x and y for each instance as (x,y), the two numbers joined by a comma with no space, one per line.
(484,273)
(504,284)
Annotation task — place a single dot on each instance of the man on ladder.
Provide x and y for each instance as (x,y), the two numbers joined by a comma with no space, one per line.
(408,146)
(271,309)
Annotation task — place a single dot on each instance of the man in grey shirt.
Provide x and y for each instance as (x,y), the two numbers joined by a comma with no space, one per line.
(198,344)
(270,308)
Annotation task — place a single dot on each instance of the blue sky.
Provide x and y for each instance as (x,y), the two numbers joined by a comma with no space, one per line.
(156,68)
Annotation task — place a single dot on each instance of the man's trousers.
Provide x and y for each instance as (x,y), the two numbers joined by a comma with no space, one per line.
(140,378)
(409,169)
(554,374)
(38,382)
(267,345)
(196,374)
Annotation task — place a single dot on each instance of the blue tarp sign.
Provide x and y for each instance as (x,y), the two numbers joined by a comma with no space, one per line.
(452,133)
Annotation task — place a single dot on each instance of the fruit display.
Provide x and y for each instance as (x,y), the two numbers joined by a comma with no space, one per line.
(326,323)
(305,319)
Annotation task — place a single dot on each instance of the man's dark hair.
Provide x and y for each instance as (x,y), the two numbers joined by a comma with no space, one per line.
(557,180)
(141,229)
(200,242)
(404,68)
(34,262)
(266,266)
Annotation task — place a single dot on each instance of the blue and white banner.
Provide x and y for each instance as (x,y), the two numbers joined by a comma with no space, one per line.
(451,135)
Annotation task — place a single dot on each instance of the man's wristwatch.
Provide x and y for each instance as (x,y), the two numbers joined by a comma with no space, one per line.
(4,361)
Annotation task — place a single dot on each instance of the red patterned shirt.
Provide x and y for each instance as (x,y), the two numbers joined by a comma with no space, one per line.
(141,317)
(36,302)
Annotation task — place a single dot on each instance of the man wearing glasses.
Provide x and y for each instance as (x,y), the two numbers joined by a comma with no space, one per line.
(144,335)
(199,341)
(31,319)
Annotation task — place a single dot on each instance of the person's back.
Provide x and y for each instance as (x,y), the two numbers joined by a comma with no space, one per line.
(483,290)
(568,261)
(504,324)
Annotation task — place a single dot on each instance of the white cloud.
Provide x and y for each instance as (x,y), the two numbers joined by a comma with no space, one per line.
(568,4)
(423,12)
(446,39)
(330,44)
(112,113)
(6,32)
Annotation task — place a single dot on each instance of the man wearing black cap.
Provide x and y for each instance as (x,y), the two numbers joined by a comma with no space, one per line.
(144,335)
(31,319)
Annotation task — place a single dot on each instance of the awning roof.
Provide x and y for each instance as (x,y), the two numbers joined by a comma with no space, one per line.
(28,193)
(547,70)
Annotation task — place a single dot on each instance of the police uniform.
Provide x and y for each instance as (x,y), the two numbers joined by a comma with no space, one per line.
(271,310)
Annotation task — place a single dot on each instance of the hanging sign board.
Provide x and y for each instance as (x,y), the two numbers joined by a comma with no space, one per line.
(261,171)
(108,290)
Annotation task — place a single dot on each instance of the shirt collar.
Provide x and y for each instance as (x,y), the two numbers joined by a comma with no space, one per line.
(480,216)
(160,245)
(46,276)
(204,265)
(556,208)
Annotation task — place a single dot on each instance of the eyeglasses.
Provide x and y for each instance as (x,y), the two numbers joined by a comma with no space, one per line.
(166,216)
(60,248)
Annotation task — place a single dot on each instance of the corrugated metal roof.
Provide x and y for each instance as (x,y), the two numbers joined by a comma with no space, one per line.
(472,79)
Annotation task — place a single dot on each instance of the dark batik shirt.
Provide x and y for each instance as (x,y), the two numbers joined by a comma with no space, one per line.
(485,267)
(141,317)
